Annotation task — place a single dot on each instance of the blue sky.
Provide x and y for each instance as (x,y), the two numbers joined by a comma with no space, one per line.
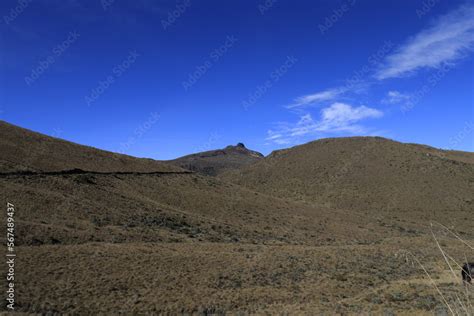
(162,79)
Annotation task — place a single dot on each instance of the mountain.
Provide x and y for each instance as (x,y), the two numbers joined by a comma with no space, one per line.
(214,162)
(25,150)
(74,194)
(102,233)
(366,173)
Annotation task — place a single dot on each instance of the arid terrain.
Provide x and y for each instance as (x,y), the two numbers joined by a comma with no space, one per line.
(361,225)
(215,162)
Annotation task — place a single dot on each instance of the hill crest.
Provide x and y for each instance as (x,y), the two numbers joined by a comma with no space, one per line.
(24,150)
(214,162)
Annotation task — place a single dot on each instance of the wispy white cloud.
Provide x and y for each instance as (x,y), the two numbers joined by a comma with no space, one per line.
(339,117)
(318,97)
(447,40)
(444,42)
(278,138)
(396,97)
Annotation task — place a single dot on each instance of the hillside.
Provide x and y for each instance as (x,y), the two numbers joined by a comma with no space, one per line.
(162,240)
(77,194)
(366,173)
(25,150)
(214,162)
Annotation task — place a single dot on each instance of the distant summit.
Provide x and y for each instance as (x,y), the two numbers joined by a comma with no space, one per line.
(214,162)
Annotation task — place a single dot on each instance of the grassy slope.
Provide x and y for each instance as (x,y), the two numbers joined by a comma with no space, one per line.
(189,243)
(73,209)
(365,173)
(215,278)
(215,162)
(22,149)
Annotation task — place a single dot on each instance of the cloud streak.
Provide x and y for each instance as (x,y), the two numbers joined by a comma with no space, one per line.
(443,43)
(318,97)
(396,97)
(447,40)
(339,117)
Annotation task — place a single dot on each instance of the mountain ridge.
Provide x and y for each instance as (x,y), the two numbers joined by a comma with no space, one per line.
(26,150)
(214,162)
(370,172)
(298,225)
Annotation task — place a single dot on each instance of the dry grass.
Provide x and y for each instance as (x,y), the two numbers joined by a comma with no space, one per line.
(366,173)
(230,278)
(332,227)
(22,150)
(215,162)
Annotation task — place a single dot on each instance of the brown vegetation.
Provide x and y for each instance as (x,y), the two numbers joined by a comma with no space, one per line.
(215,162)
(335,226)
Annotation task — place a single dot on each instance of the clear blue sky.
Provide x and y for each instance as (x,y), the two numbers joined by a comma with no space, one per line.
(162,79)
